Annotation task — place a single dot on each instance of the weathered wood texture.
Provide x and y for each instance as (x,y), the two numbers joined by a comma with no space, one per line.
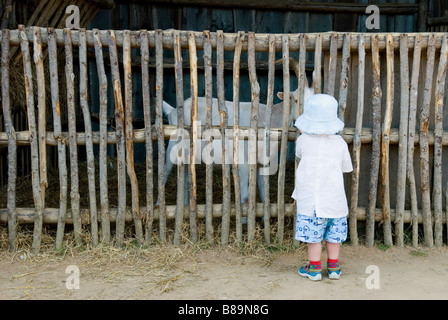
(390,135)
(12,144)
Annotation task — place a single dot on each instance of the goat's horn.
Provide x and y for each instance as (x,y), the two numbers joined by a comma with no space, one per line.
(294,63)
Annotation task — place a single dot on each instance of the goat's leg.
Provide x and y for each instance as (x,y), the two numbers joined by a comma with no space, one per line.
(244,182)
(260,181)
(187,186)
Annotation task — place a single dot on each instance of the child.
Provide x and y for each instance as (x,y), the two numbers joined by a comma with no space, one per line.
(319,184)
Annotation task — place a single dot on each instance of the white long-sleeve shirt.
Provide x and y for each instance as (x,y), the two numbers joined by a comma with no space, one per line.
(319,182)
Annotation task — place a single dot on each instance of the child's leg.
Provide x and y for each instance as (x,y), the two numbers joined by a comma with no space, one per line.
(336,234)
(314,251)
(309,230)
(333,250)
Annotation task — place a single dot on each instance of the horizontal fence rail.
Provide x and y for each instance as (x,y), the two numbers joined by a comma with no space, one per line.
(391,93)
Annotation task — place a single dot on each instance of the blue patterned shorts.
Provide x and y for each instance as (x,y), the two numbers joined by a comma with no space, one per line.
(314,229)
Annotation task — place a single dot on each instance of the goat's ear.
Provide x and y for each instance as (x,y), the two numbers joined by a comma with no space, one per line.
(280,95)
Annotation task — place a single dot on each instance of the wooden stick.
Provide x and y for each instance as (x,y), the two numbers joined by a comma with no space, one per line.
(343,88)
(38,217)
(332,64)
(376,136)
(411,138)
(236,133)
(438,131)
(12,144)
(385,186)
(223,116)
(302,82)
(121,144)
(402,145)
(160,136)
(73,147)
(424,146)
(302,75)
(194,130)
(261,40)
(357,142)
(22,137)
(284,141)
(62,163)
(252,149)
(267,140)
(42,122)
(317,74)
(84,102)
(26,215)
(129,137)
(144,51)
(104,198)
(208,123)
(180,126)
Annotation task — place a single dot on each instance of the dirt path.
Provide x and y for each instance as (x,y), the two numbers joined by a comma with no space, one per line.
(173,273)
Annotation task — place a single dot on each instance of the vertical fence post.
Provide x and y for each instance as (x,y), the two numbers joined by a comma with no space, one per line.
(403,135)
(253,134)
(12,144)
(129,136)
(357,141)
(84,102)
(74,177)
(343,88)
(194,126)
(317,73)
(144,52)
(208,122)
(302,74)
(224,120)
(376,139)
(41,107)
(267,141)
(160,136)
(104,194)
(332,64)
(424,144)
(120,129)
(236,133)
(413,95)
(385,140)
(284,139)
(29,91)
(438,133)
(180,127)
(54,80)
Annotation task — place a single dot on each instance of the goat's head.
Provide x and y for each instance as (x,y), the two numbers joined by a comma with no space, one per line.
(294,95)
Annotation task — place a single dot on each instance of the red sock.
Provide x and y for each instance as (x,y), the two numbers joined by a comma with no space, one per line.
(316,265)
(332,260)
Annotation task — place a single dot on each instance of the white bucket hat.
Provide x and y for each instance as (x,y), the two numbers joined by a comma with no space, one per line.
(320,115)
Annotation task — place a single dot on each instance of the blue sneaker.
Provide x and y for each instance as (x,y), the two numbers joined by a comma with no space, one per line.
(311,272)
(334,271)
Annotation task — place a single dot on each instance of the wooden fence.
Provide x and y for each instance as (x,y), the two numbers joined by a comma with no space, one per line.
(361,70)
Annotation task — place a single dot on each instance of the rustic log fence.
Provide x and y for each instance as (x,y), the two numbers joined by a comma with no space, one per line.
(346,61)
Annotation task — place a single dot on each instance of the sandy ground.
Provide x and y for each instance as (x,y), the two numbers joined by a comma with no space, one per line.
(183,273)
